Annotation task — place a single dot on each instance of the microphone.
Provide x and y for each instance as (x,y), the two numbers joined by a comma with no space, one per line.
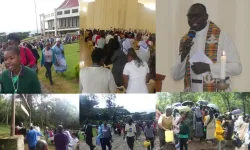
(191,33)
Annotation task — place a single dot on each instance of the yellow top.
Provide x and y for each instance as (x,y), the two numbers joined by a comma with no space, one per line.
(219,131)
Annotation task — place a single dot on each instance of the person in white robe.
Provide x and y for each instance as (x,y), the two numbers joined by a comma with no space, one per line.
(202,73)
(242,132)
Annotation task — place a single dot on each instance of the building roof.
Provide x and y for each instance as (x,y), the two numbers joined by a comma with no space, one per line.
(69,4)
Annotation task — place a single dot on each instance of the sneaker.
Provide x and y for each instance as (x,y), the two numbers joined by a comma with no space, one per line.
(177,146)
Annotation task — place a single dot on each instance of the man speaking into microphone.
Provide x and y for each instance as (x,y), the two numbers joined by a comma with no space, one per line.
(200,52)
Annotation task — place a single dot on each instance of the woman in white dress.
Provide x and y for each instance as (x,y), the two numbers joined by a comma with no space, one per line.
(135,74)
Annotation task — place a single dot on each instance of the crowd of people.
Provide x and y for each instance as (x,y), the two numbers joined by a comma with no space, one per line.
(130,55)
(203,123)
(130,132)
(62,138)
(19,63)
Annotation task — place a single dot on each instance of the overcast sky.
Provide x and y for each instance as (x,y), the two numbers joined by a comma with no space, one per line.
(133,102)
(19,15)
(72,98)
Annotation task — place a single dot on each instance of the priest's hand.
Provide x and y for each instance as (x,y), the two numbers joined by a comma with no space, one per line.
(186,48)
(200,67)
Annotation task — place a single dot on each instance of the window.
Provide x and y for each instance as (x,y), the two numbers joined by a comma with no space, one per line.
(59,13)
(67,12)
(69,22)
(77,22)
(74,10)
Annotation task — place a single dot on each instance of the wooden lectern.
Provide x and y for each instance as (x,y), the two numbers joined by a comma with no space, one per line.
(158,82)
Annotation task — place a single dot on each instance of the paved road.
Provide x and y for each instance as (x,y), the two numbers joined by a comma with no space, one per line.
(119,144)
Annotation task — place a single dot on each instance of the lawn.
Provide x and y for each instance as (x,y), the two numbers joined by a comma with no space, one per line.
(66,83)
(4,130)
(28,39)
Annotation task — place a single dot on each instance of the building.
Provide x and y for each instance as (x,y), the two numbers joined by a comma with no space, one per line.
(64,19)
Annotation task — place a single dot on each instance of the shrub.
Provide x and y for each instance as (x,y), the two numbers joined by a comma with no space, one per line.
(77,71)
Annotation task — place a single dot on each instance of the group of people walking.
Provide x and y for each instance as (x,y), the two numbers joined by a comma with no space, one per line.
(131,55)
(19,64)
(62,138)
(130,132)
(202,123)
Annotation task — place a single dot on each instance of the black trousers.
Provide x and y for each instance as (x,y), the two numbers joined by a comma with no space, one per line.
(151,143)
(130,142)
(89,142)
(183,144)
(105,142)
(48,73)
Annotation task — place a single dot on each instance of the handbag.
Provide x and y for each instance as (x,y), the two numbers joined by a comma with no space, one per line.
(237,142)
(169,136)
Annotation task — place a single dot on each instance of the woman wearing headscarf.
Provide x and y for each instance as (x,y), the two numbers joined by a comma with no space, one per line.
(135,74)
(143,53)
(61,65)
(126,44)
(198,123)
(165,123)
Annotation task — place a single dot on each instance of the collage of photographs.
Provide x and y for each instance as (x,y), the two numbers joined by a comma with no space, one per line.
(88,75)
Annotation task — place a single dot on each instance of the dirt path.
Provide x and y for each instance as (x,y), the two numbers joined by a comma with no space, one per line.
(120,144)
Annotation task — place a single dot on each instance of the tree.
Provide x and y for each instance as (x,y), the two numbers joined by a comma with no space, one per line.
(87,104)
(224,100)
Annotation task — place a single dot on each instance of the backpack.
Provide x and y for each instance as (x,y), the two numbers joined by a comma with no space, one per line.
(34,67)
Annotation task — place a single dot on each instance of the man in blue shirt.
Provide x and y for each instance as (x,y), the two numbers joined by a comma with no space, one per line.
(106,136)
(32,138)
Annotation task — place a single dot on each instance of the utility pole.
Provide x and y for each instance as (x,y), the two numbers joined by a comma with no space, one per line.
(12,132)
(36,17)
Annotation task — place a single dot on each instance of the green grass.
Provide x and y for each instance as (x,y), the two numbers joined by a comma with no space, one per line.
(28,39)
(66,83)
(4,130)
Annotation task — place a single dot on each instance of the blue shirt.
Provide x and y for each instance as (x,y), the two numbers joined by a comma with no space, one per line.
(32,137)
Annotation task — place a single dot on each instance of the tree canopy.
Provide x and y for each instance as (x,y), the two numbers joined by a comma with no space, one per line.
(45,111)
(226,101)
(22,35)
(89,110)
